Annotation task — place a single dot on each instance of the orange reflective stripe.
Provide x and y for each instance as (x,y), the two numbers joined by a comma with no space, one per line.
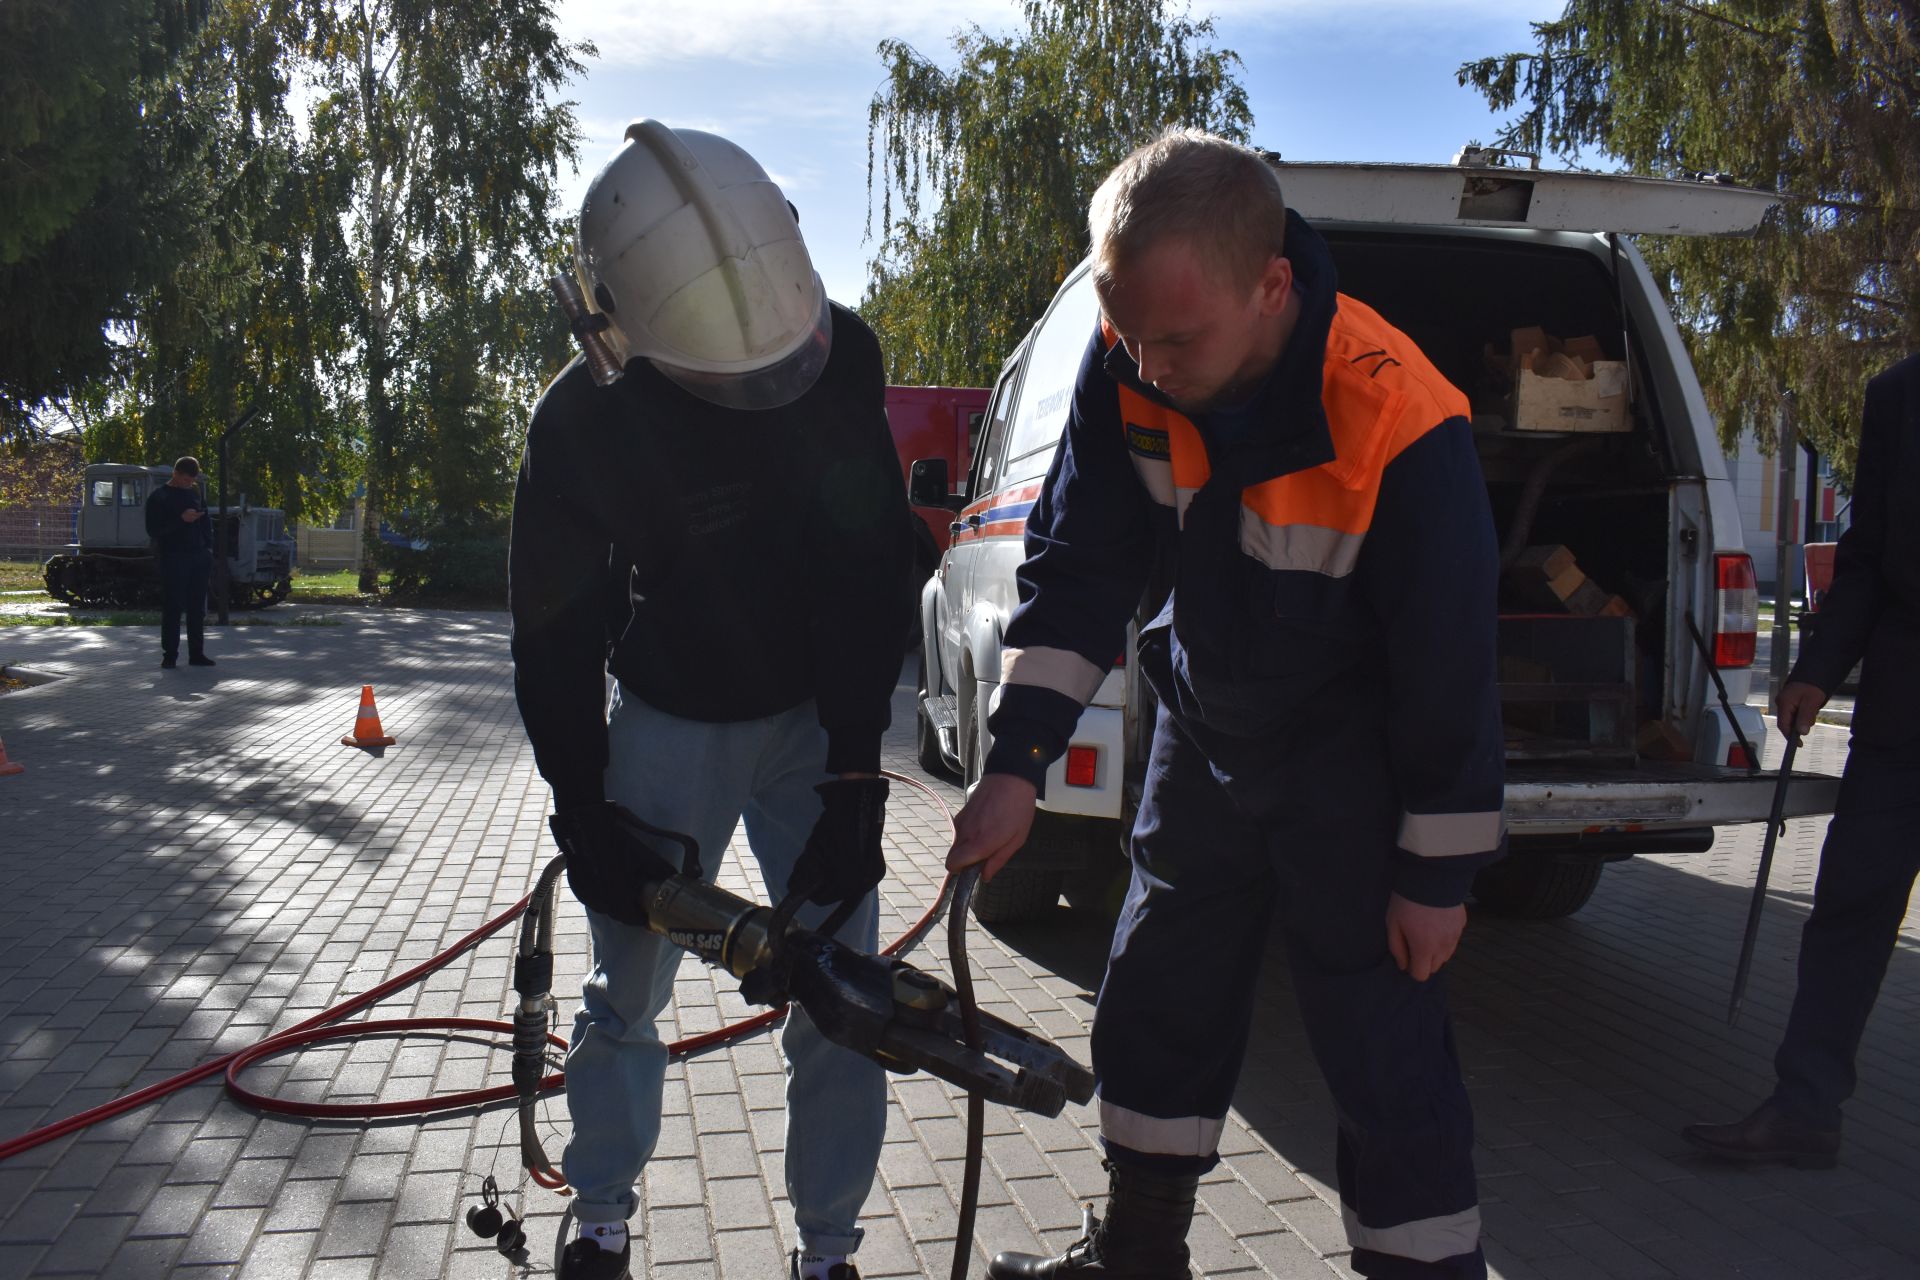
(1380,393)
(1165,447)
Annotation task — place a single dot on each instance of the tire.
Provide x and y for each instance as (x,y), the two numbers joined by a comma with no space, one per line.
(1016,894)
(926,739)
(1099,888)
(1540,887)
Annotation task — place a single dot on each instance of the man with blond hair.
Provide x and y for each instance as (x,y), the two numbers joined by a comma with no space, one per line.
(1327,747)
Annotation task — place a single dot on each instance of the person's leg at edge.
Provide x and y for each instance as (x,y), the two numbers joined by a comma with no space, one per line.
(1867,868)
(173,595)
(1171,1023)
(1404,1145)
(836,1099)
(685,776)
(200,570)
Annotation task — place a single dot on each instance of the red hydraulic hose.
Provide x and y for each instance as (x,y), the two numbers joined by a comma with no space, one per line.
(318,1028)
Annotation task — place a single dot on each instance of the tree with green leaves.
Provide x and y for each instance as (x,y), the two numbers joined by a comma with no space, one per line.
(93,207)
(240,318)
(989,166)
(436,121)
(1818,100)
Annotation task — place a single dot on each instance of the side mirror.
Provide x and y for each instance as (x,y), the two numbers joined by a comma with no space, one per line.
(927,486)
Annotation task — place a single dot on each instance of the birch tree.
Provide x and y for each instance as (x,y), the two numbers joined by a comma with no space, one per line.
(983,170)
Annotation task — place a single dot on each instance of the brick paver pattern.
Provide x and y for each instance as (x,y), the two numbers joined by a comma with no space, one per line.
(192,862)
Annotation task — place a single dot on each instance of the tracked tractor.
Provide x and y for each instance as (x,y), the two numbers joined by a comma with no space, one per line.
(113,563)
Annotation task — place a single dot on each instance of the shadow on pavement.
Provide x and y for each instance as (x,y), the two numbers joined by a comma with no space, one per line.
(1587,1043)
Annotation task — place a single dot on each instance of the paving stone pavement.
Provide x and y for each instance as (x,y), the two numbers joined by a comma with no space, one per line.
(192,861)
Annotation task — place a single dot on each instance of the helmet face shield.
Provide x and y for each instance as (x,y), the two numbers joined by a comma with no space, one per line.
(782,382)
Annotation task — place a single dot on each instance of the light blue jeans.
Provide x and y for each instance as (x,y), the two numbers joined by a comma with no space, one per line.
(700,778)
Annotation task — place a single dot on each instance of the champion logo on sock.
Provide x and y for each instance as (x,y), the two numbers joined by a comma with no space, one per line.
(611,1236)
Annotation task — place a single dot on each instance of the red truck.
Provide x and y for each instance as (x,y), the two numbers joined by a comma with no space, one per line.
(935,422)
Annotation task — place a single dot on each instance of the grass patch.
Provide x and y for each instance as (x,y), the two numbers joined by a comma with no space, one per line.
(342,586)
(151,618)
(125,619)
(22,575)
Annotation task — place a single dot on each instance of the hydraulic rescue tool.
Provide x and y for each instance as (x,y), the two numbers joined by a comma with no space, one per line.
(881,1007)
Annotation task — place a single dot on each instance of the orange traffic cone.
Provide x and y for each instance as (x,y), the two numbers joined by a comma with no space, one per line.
(366,726)
(9,767)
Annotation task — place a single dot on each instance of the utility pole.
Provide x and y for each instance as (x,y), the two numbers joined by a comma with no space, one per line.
(222,550)
(1787,453)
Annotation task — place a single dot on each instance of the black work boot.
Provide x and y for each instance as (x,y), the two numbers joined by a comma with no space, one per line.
(1143,1236)
(582,1259)
(1768,1136)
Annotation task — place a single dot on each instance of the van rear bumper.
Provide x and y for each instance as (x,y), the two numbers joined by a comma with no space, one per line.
(1104,729)
(1653,797)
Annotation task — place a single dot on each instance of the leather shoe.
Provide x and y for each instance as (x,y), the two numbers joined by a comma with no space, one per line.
(168,662)
(1768,1136)
(199,660)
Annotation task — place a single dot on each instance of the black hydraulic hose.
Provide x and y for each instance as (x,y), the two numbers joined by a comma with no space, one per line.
(963,885)
(533,983)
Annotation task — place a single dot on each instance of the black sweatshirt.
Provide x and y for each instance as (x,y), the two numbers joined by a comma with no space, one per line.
(166,507)
(724,565)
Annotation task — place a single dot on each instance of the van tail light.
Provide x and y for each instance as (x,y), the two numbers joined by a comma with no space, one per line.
(1083,766)
(1120,663)
(1736,610)
(1738,758)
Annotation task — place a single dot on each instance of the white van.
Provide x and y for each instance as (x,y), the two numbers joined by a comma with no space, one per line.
(1626,733)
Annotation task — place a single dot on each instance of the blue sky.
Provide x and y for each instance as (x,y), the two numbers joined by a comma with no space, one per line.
(790,81)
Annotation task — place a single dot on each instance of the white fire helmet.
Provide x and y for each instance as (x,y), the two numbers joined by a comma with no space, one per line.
(695,259)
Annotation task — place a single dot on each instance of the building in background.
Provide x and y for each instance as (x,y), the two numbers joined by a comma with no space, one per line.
(1756,481)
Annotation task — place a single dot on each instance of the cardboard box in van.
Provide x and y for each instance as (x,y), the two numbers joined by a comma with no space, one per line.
(1598,403)
(1563,384)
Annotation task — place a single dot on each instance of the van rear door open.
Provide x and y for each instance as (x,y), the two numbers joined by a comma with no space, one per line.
(1437,195)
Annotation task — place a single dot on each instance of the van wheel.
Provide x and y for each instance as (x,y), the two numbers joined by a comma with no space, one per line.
(1539,887)
(926,738)
(1099,888)
(1016,894)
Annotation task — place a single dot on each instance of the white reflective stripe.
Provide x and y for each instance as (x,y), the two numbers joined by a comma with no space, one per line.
(1181,497)
(1299,546)
(1424,1240)
(1061,670)
(1159,1136)
(1157,475)
(1449,835)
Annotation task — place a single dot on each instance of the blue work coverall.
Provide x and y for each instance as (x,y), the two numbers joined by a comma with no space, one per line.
(1328,735)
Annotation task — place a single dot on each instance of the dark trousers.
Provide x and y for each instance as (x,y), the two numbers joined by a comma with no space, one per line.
(183,583)
(1174,1013)
(1867,868)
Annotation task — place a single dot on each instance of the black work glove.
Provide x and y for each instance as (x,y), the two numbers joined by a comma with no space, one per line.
(843,858)
(609,861)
